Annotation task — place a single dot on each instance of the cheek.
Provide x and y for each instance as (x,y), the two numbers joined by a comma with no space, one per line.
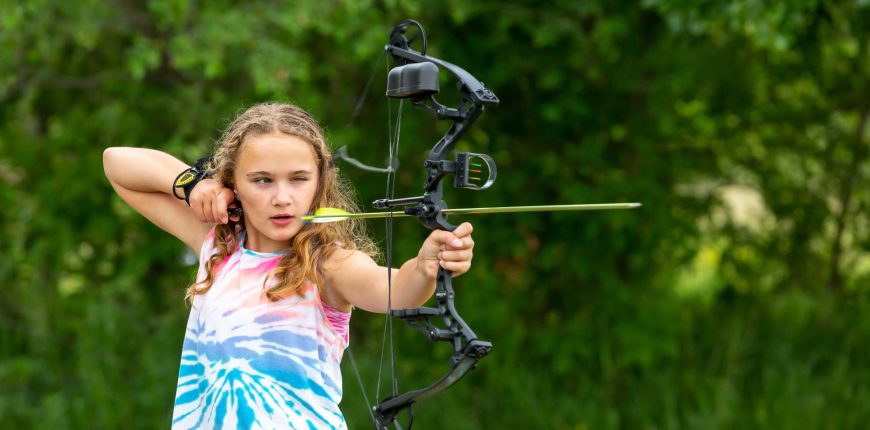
(316,193)
(249,195)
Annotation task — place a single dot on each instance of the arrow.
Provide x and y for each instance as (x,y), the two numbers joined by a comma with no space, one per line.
(335,214)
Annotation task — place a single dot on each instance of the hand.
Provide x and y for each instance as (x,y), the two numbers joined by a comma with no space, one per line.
(209,200)
(450,250)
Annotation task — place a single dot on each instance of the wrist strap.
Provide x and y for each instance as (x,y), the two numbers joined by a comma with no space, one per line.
(187,179)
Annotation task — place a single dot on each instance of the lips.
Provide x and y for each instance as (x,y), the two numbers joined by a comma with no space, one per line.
(282,219)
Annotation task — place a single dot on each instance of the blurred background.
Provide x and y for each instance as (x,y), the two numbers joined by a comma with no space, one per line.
(736,297)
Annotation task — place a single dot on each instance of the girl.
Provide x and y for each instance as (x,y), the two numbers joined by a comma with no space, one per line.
(272,299)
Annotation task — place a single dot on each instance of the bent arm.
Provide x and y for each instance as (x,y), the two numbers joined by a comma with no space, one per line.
(144,178)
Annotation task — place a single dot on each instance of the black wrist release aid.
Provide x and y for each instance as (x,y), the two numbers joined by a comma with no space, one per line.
(186,180)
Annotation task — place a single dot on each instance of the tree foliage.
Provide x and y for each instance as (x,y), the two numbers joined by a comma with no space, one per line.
(734,298)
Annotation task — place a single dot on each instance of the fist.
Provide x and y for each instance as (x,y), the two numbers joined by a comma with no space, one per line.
(451,250)
(209,200)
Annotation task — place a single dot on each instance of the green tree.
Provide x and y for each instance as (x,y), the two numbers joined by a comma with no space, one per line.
(734,298)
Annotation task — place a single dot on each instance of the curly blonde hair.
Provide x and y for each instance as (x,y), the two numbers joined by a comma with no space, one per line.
(315,242)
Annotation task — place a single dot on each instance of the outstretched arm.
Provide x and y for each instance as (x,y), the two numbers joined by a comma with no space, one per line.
(360,282)
(144,179)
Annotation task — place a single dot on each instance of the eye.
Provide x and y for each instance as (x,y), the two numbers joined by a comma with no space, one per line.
(300,178)
(262,180)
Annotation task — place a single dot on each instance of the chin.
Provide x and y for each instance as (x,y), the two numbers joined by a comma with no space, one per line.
(276,234)
(283,234)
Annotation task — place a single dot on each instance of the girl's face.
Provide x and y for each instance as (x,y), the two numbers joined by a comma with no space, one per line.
(275,179)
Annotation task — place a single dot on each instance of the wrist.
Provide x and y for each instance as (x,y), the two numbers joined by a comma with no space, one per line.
(422,267)
(188,178)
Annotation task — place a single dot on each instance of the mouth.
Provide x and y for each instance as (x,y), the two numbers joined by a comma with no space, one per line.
(282,219)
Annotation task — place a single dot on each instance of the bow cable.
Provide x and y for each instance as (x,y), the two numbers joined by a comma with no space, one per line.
(390,170)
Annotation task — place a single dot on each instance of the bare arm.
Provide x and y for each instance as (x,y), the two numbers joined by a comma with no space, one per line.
(358,281)
(144,178)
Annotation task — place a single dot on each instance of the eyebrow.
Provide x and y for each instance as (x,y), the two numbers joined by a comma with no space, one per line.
(265,173)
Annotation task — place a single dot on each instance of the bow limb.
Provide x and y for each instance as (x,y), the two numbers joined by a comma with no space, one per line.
(467,348)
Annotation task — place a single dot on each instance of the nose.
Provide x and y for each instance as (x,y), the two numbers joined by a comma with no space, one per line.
(282,195)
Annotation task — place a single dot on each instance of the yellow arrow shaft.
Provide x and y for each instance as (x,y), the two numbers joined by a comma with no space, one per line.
(471,211)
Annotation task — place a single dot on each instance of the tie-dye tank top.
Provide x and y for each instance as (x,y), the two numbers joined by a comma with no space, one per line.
(251,363)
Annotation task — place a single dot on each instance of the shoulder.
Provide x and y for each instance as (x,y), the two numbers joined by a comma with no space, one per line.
(342,262)
(207,248)
(217,241)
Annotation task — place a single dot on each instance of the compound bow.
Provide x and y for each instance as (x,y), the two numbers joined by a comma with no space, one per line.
(416,77)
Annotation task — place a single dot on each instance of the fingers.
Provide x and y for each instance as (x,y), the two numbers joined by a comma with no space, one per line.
(460,238)
(455,256)
(209,201)
(219,211)
(456,268)
(463,230)
(456,262)
(201,207)
(455,249)
(204,204)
